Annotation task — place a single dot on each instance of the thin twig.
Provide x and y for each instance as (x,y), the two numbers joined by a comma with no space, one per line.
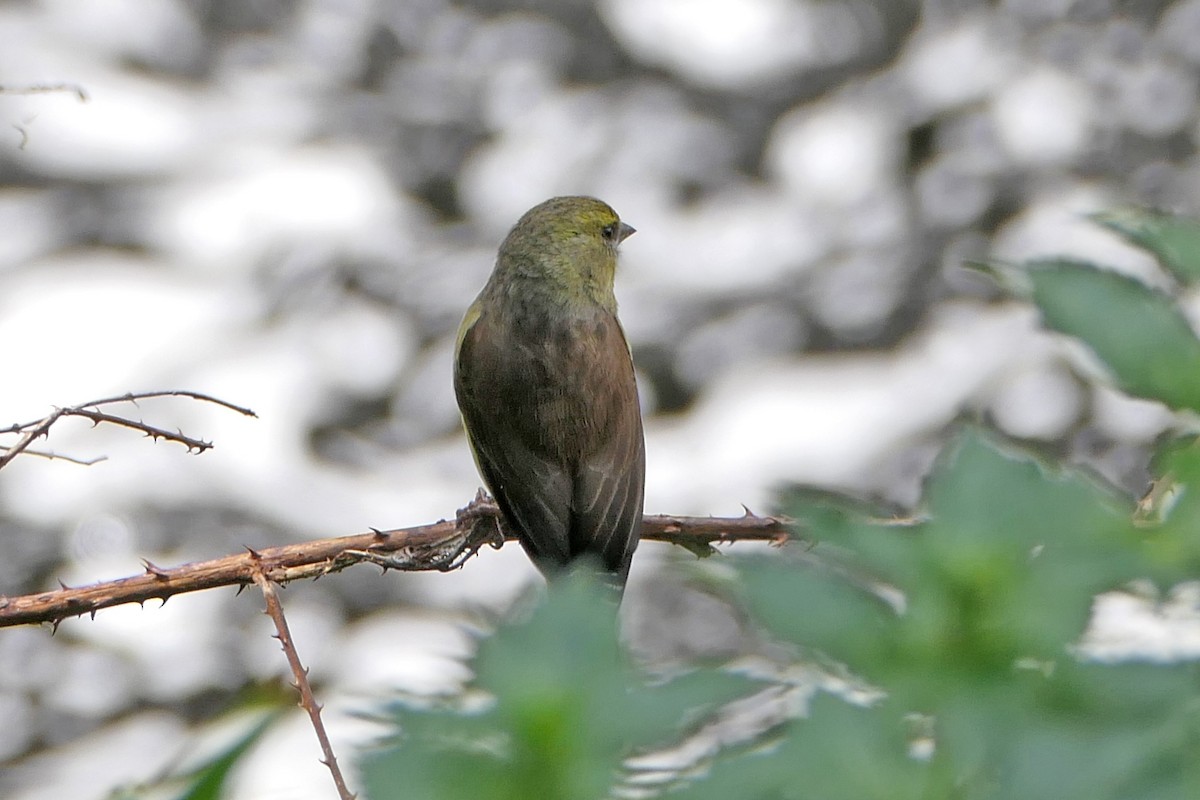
(133,397)
(440,546)
(48,88)
(40,428)
(49,455)
(35,429)
(154,432)
(307,701)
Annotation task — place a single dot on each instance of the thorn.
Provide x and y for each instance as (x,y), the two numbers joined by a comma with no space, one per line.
(155,570)
(54,626)
(93,613)
(749,513)
(257,556)
(63,585)
(378,533)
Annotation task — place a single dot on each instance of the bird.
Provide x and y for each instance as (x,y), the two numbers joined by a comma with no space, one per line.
(545,383)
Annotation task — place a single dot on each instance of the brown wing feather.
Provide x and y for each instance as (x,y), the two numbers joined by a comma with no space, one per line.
(553,418)
(606,506)
(532,491)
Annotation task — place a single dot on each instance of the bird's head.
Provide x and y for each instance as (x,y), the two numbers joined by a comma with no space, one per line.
(568,243)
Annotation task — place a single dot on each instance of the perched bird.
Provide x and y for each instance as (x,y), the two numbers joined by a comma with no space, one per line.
(545,383)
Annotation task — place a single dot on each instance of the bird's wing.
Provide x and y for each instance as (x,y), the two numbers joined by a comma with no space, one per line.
(606,504)
(534,495)
(533,491)
(606,508)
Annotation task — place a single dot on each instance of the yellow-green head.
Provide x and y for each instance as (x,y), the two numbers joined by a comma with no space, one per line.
(568,246)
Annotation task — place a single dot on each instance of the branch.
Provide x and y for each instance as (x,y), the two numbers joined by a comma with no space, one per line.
(441,546)
(307,701)
(35,429)
(48,88)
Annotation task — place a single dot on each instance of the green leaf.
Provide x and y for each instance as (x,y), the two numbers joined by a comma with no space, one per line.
(554,711)
(875,536)
(1174,241)
(1002,573)
(840,752)
(1138,332)
(817,608)
(1173,526)
(208,781)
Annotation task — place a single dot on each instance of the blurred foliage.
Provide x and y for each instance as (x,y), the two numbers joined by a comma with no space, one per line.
(561,709)
(967,618)
(220,750)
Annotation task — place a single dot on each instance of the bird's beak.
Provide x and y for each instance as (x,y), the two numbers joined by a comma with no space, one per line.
(624,232)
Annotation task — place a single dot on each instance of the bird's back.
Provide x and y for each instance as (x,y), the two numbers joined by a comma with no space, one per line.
(561,449)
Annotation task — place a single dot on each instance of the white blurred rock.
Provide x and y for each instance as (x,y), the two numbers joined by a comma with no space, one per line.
(1038,401)
(1044,117)
(736,43)
(1056,225)
(836,153)
(830,420)
(245,203)
(945,67)
(1126,418)
(134,750)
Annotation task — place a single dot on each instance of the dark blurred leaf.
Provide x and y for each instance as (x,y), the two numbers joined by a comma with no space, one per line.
(1128,730)
(208,782)
(562,710)
(1173,530)
(1174,241)
(1010,537)
(840,752)
(999,585)
(811,606)
(1007,538)
(876,535)
(1138,332)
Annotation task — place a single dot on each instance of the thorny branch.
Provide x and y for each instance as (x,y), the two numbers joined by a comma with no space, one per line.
(29,432)
(307,700)
(441,546)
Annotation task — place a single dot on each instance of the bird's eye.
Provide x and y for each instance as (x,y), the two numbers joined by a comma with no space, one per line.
(609,232)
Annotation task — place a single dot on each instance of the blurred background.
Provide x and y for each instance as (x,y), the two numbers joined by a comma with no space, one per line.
(290,203)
